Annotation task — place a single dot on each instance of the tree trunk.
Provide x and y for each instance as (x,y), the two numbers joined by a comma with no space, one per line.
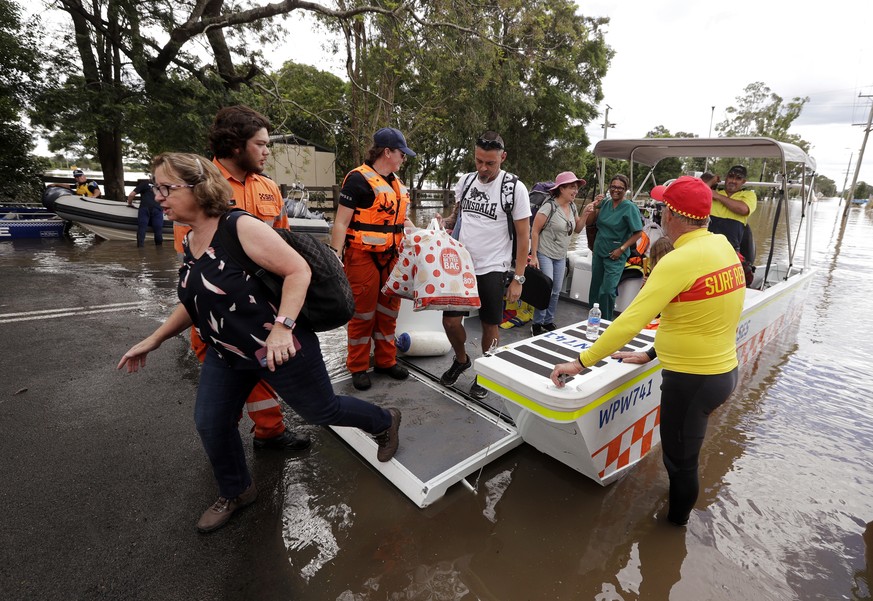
(109,153)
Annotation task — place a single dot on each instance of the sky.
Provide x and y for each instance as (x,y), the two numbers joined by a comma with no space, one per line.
(712,51)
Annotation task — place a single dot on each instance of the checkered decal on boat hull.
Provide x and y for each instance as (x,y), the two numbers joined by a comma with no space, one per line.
(629,446)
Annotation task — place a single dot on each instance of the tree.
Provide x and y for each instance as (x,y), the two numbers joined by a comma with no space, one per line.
(132,84)
(445,71)
(760,112)
(20,60)
(825,186)
(442,71)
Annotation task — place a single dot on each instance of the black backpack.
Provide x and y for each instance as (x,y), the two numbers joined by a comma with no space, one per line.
(538,195)
(329,300)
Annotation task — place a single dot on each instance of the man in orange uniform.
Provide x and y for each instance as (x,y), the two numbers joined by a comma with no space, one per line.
(369,227)
(239,141)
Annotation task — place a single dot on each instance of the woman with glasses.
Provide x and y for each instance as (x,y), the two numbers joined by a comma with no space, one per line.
(619,226)
(252,336)
(556,220)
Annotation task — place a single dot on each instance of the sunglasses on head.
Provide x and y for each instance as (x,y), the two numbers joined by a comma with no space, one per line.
(489,144)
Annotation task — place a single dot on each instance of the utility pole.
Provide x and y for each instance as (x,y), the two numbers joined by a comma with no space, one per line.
(860,159)
(711,115)
(846,179)
(606,126)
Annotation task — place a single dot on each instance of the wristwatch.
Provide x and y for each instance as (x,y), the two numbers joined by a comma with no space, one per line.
(285,321)
(518,278)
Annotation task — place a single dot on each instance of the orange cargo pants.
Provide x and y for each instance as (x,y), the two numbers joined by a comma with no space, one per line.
(375,314)
(262,404)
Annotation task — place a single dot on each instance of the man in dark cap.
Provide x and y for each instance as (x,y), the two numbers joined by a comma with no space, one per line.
(366,235)
(732,207)
(699,289)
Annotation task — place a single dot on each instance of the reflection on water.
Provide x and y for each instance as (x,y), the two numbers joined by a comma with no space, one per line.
(784,510)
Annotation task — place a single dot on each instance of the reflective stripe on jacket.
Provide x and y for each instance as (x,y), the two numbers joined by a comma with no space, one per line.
(380,227)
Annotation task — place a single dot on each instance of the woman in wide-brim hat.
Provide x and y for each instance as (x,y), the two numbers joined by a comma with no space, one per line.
(554,224)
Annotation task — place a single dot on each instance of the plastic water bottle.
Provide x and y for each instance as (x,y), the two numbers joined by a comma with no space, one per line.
(592,330)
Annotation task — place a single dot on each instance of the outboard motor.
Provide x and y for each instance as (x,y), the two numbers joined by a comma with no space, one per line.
(51,194)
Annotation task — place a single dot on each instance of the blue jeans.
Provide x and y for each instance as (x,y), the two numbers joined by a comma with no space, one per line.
(554,268)
(302,383)
(153,217)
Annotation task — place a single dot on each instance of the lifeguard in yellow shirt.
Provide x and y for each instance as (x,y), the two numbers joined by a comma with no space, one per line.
(698,288)
(732,206)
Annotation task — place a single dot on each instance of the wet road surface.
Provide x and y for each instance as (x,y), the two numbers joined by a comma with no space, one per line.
(104,475)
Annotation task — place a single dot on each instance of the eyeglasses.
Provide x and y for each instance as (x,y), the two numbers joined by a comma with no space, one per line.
(617,189)
(166,189)
(489,144)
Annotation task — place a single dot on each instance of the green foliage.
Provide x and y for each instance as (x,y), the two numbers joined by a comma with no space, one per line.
(862,190)
(20,71)
(530,70)
(761,112)
(311,104)
(442,71)
(825,186)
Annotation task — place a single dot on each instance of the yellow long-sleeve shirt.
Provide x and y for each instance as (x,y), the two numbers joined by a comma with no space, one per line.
(748,197)
(699,289)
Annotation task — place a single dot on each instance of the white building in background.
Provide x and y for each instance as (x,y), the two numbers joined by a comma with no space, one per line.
(294,160)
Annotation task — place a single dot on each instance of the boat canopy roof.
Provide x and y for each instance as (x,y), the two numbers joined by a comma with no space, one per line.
(648,151)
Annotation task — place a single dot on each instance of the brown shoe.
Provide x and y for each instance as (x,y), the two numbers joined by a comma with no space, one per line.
(389,440)
(219,513)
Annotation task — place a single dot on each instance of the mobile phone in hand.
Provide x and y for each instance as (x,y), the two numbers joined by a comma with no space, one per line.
(261,353)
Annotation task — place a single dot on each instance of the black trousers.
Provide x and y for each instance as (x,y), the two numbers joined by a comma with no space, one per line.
(686,402)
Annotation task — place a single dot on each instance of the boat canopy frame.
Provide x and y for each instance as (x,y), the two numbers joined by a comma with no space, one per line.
(650,151)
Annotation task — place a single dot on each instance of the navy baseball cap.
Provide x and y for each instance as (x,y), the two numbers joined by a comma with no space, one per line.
(388,137)
(78,172)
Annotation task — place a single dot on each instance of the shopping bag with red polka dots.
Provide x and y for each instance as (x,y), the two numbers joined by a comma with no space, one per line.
(399,282)
(440,270)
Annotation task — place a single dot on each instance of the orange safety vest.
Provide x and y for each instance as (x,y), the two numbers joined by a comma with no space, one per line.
(380,227)
(642,247)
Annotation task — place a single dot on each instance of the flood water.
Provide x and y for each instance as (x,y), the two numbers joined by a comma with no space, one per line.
(785,502)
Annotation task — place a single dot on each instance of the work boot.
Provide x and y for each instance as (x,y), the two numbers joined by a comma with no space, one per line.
(389,440)
(219,512)
(549,327)
(457,368)
(286,441)
(361,380)
(398,372)
(537,329)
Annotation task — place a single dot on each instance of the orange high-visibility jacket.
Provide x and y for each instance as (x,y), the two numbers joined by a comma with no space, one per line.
(380,227)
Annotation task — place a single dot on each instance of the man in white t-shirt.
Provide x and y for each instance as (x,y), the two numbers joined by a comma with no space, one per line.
(492,211)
